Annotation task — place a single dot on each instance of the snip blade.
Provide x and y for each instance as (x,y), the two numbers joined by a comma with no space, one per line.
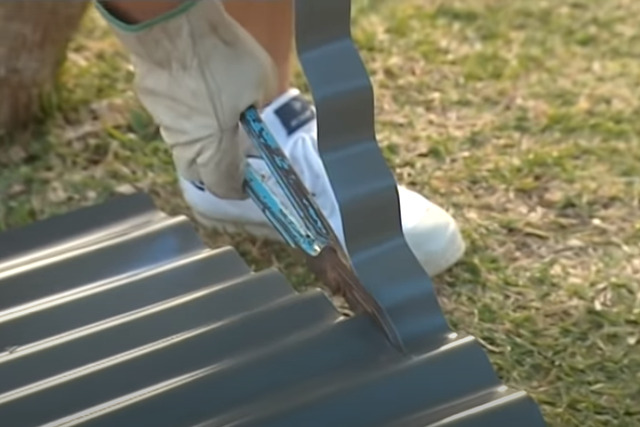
(339,278)
(331,265)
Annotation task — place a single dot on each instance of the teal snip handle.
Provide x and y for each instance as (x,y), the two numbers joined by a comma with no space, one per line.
(310,231)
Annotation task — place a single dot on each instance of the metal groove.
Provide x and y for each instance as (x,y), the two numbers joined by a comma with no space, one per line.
(157,276)
(44,277)
(90,225)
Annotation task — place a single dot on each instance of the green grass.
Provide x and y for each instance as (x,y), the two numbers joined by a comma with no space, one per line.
(519,116)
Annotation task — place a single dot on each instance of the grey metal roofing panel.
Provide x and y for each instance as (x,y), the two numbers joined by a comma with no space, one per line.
(118,315)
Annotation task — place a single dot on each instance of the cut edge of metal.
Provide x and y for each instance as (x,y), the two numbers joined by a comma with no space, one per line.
(380,255)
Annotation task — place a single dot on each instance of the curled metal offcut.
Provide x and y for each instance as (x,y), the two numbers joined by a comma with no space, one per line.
(364,186)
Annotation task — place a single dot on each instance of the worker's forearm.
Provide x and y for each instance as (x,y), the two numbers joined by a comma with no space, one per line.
(134,12)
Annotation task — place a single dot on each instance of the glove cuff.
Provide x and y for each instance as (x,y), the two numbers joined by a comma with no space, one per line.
(117,23)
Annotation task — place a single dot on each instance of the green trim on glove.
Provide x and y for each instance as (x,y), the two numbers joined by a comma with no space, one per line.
(133,28)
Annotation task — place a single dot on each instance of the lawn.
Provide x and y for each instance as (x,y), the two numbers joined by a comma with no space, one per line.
(519,116)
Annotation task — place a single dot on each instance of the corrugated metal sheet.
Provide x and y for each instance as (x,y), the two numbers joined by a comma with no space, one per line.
(117,315)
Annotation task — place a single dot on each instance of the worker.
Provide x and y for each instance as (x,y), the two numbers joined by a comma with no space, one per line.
(199,65)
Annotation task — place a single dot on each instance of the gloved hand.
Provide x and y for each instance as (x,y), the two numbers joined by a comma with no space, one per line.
(197,70)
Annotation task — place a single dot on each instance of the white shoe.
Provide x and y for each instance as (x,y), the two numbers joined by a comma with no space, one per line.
(431,233)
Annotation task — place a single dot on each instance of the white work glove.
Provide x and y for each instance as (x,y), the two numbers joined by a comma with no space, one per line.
(197,70)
